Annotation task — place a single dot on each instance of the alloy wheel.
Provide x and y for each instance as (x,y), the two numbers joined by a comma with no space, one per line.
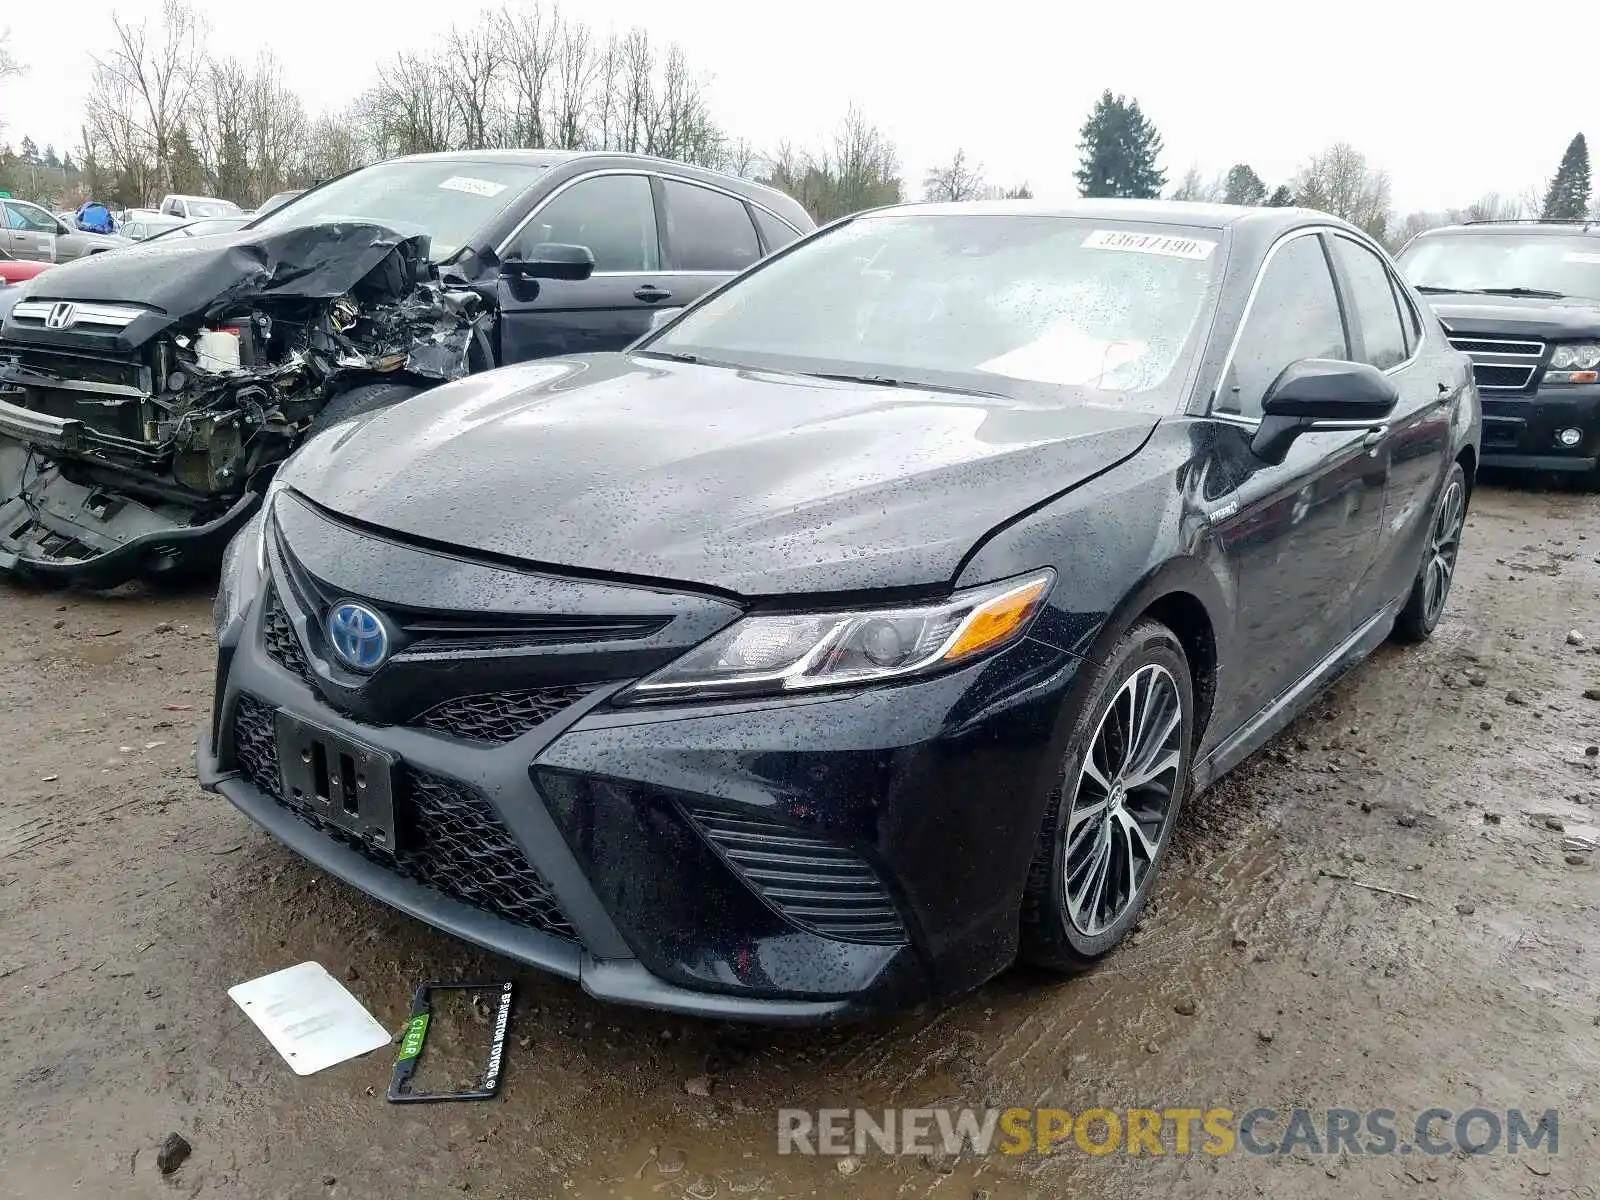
(1121,799)
(1446,540)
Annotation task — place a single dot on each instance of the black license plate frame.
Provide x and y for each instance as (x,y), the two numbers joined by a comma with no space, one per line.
(343,780)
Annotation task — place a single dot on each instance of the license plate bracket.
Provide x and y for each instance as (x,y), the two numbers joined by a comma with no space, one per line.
(343,781)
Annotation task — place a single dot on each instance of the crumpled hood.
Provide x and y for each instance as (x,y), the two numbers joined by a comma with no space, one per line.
(749,482)
(1528,316)
(185,277)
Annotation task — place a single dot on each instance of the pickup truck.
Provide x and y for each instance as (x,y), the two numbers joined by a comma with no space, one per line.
(191,208)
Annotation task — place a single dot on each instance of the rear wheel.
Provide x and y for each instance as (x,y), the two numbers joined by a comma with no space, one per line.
(1116,800)
(1425,606)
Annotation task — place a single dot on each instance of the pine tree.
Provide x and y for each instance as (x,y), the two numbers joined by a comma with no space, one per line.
(1281,197)
(1118,152)
(1568,197)
(1243,186)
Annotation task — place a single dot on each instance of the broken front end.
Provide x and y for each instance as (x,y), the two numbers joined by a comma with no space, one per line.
(147,396)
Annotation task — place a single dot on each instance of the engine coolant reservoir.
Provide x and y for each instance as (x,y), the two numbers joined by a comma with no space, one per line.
(217,350)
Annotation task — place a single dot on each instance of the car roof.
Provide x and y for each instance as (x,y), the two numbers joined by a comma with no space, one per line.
(1156,212)
(556,158)
(1524,228)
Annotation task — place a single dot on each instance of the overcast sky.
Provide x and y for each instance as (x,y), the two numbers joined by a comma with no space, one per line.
(1424,88)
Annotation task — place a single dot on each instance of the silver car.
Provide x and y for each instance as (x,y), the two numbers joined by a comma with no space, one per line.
(28,231)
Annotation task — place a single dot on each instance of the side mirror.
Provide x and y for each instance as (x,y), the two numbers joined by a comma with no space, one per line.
(552,260)
(1320,393)
(660,316)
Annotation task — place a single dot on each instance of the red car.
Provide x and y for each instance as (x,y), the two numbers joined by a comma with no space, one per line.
(16,270)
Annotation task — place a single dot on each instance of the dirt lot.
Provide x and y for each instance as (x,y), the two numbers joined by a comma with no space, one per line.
(131,901)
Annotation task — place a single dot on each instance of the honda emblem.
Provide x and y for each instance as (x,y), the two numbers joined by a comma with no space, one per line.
(62,315)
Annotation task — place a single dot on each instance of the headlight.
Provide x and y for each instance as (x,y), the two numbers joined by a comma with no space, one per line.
(1576,356)
(802,651)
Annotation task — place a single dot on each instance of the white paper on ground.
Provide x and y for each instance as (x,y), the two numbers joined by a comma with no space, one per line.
(309,1017)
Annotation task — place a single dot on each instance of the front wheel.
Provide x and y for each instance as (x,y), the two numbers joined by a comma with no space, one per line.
(1114,804)
(1425,606)
(360,400)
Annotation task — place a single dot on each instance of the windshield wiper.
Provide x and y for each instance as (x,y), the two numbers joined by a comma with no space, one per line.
(891,382)
(1540,293)
(670,355)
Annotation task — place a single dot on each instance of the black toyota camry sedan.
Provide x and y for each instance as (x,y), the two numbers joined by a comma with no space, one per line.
(863,629)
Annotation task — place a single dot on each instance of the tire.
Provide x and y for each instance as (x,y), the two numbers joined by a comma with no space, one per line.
(1431,588)
(361,400)
(1062,930)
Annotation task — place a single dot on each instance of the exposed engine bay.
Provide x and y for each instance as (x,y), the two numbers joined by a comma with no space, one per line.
(147,395)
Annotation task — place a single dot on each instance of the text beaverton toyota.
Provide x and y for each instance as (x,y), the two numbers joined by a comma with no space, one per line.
(863,628)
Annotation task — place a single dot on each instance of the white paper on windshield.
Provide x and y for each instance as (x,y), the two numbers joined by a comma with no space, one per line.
(1149,243)
(1065,356)
(473,187)
(309,1017)
(1581,256)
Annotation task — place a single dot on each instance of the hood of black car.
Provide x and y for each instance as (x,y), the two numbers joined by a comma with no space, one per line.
(749,482)
(1529,316)
(180,277)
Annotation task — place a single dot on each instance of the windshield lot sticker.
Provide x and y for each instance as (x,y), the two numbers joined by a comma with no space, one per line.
(1149,243)
(473,187)
(1581,256)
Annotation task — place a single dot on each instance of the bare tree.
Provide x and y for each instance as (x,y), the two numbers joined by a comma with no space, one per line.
(411,107)
(9,66)
(959,179)
(1194,186)
(1340,181)
(1492,206)
(531,38)
(143,91)
(577,69)
(333,146)
(472,83)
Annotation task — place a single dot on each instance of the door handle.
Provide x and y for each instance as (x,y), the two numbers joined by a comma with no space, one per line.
(1374,436)
(651,294)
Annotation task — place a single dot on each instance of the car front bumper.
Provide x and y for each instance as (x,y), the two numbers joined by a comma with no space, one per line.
(935,790)
(1522,432)
(54,530)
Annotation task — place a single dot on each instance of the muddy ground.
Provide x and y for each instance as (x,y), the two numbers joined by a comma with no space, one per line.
(130,901)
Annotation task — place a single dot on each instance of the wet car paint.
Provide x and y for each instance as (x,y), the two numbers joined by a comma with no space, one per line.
(1276,577)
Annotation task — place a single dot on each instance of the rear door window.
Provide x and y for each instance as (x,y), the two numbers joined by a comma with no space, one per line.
(1372,295)
(774,232)
(707,230)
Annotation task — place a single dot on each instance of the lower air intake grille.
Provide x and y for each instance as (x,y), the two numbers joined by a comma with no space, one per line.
(283,646)
(499,717)
(452,841)
(817,884)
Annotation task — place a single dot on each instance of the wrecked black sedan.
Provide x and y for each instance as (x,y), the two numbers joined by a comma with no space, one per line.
(864,629)
(147,396)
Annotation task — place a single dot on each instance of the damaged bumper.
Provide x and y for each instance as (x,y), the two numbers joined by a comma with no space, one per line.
(53,530)
(135,438)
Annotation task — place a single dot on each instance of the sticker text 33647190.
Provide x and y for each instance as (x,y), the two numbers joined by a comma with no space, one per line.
(1149,243)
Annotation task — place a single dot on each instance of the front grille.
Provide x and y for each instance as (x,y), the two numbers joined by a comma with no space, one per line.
(818,884)
(283,645)
(501,716)
(1501,364)
(450,838)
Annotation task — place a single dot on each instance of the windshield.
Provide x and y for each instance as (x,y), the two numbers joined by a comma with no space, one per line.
(1502,262)
(987,302)
(448,200)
